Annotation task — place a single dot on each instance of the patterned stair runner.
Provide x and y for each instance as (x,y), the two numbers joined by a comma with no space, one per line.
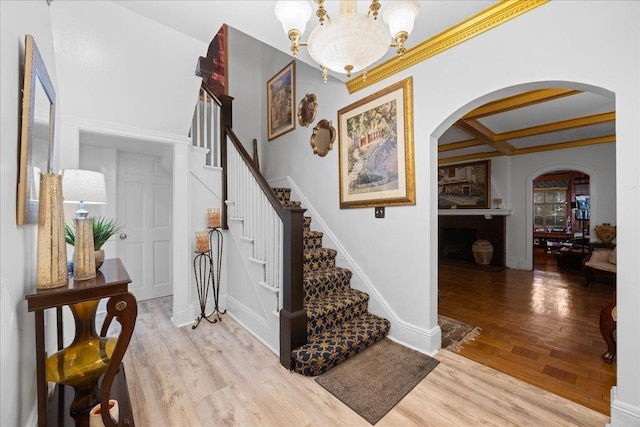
(338,323)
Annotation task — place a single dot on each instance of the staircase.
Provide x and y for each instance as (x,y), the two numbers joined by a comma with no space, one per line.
(338,323)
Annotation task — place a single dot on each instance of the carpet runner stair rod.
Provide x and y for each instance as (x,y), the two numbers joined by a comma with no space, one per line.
(338,322)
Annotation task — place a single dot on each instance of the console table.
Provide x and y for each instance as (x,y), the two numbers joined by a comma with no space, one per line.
(111,282)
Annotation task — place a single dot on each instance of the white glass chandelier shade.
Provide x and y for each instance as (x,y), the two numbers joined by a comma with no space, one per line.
(400,16)
(293,14)
(348,43)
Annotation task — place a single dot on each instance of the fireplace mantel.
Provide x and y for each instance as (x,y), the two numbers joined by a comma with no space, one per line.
(496,212)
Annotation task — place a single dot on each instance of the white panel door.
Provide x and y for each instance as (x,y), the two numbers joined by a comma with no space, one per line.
(145,209)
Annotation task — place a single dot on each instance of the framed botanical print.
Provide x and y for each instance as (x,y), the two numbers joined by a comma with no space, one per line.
(376,149)
(281,93)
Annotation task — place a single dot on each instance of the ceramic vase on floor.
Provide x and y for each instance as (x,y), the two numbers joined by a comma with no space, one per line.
(52,249)
(482,252)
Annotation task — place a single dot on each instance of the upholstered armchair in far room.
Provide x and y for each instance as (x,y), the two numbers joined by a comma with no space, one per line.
(601,263)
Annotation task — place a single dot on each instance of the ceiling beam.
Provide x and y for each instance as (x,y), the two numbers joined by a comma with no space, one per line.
(529,150)
(557,126)
(568,144)
(467,157)
(476,129)
(459,145)
(518,101)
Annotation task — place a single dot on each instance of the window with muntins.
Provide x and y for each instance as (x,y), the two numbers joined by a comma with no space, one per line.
(550,207)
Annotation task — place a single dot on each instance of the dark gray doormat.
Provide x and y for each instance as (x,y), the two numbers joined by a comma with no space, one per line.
(374,381)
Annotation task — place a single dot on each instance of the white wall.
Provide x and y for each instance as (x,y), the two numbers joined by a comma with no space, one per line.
(118,67)
(588,43)
(245,86)
(18,243)
(126,76)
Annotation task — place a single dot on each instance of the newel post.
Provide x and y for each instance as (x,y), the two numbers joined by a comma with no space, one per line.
(293,316)
(226,120)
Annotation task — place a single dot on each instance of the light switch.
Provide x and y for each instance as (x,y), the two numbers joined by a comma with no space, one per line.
(379,212)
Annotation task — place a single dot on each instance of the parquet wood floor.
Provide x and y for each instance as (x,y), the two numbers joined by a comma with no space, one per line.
(539,326)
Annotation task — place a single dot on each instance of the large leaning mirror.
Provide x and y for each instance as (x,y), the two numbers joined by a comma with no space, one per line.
(36,133)
(324,134)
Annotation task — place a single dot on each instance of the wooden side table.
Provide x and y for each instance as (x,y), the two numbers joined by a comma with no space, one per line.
(111,282)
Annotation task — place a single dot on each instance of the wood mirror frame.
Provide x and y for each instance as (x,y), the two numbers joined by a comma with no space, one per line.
(36,133)
(307,109)
(324,134)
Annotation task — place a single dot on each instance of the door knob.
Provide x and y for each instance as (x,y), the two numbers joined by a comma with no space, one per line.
(123,236)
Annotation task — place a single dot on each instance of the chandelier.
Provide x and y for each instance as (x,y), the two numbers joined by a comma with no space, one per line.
(349,42)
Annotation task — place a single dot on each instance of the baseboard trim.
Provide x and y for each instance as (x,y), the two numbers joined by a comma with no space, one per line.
(623,414)
(184,317)
(33,416)
(250,321)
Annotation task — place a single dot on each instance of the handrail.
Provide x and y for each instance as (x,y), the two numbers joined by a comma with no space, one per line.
(262,182)
(293,315)
(206,88)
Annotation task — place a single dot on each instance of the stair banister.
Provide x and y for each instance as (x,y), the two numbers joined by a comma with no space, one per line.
(293,316)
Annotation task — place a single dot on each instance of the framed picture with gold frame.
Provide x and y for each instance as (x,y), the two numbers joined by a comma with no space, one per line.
(464,185)
(307,109)
(376,163)
(281,93)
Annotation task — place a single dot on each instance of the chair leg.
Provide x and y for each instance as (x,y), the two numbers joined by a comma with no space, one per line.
(607,326)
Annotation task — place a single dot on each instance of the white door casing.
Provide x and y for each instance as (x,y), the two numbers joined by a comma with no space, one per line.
(144,206)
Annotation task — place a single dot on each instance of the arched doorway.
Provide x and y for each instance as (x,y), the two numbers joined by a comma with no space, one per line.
(561,213)
(530,154)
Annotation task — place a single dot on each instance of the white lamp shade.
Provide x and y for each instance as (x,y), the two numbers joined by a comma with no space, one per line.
(400,16)
(83,186)
(293,14)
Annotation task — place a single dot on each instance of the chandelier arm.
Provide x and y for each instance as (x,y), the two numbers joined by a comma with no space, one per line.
(374,8)
(400,39)
(321,13)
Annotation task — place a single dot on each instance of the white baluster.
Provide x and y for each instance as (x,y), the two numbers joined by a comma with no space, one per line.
(198,131)
(212,128)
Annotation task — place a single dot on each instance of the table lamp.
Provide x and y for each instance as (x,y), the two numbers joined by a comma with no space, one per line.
(83,187)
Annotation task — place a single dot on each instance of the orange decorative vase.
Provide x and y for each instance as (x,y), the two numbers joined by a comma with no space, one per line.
(606,232)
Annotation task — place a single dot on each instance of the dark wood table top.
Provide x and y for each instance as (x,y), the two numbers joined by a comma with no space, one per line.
(111,279)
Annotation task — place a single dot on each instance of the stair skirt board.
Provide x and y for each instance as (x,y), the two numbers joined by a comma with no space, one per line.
(339,325)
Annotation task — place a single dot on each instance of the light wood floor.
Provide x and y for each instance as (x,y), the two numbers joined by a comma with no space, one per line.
(219,375)
(541,327)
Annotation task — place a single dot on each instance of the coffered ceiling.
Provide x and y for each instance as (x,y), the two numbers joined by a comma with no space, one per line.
(539,120)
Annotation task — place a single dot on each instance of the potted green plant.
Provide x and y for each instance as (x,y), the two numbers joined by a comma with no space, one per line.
(103,229)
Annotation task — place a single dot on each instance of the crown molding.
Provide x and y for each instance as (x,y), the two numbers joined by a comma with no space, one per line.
(477,24)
